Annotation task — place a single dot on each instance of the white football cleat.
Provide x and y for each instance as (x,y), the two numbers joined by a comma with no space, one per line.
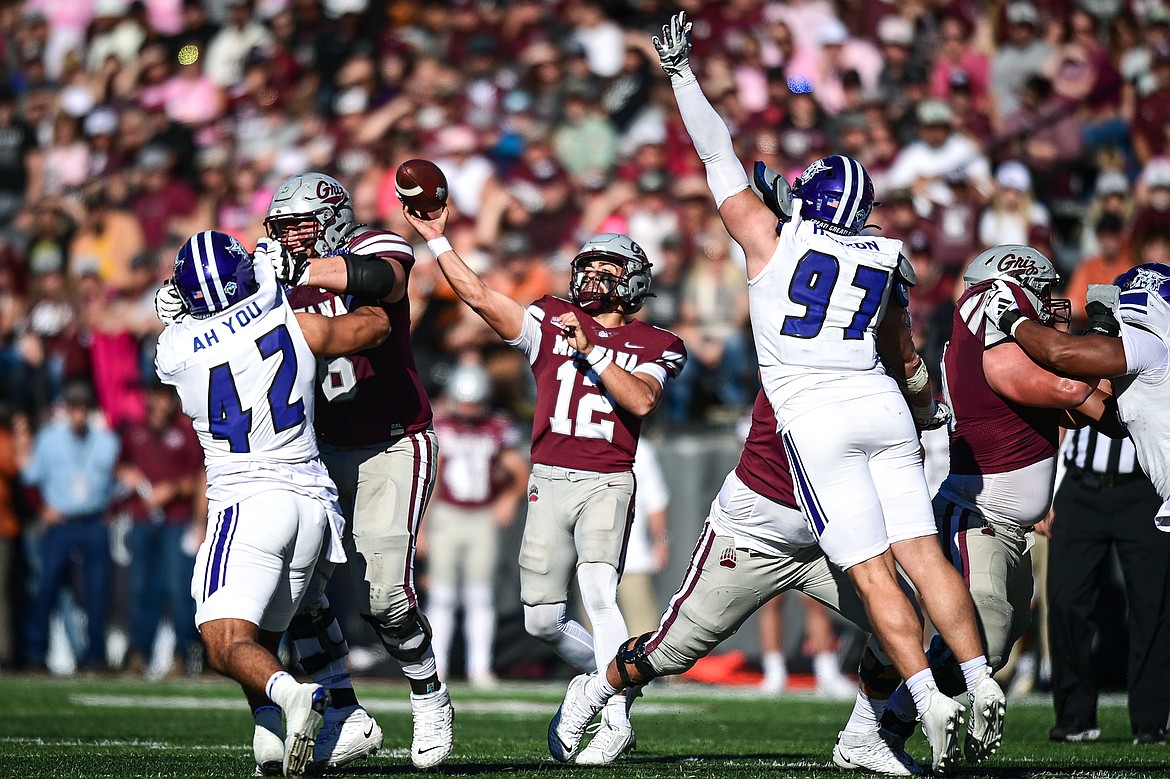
(568,725)
(268,742)
(434,728)
(302,719)
(988,707)
(610,743)
(870,752)
(349,734)
(940,724)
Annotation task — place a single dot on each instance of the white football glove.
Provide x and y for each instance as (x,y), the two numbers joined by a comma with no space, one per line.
(290,270)
(674,50)
(1001,310)
(168,306)
(931,417)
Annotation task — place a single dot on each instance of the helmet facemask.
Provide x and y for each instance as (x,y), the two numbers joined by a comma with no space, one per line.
(594,291)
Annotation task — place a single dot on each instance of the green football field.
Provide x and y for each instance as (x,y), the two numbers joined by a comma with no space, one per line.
(113,728)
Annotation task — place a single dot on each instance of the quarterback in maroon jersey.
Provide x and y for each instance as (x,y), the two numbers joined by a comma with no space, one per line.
(598,373)
(376,437)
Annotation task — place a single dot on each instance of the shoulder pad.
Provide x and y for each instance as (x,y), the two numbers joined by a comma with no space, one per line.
(906,271)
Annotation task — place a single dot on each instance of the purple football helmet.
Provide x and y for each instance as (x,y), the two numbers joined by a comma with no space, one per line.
(837,192)
(1153,277)
(213,271)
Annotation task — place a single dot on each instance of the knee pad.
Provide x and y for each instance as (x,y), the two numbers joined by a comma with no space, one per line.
(995,622)
(945,668)
(543,621)
(632,654)
(880,678)
(598,584)
(408,641)
(317,636)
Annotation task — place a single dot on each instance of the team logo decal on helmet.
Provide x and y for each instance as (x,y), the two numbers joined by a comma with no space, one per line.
(1153,277)
(608,291)
(1028,269)
(837,192)
(213,271)
(316,198)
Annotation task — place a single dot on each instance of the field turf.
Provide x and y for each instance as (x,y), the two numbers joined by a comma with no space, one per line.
(113,728)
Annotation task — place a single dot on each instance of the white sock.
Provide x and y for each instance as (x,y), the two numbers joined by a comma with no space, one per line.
(441,614)
(825,665)
(774,665)
(920,684)
(972,669)
(479,629)
(598,583)
(867,713)
(281,685)
(598,690)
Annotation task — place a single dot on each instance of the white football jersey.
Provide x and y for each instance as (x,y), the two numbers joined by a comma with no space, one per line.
(1143,397)
(816,306)
(246,378)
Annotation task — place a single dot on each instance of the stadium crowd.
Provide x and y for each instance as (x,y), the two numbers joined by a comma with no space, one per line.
(127,126)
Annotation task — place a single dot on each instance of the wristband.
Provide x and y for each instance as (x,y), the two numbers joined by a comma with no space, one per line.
(918,380)
(439,245)
(1016,325)
(598,360)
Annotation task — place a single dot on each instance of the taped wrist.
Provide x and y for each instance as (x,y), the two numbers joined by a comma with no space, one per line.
(368,276)
(917,380)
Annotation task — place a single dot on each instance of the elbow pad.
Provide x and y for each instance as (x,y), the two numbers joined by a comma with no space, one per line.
(368,275)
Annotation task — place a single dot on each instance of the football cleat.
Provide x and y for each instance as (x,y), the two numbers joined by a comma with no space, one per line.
(988,707)
(572,718)
(940,724)
(434,728)
(610,743)
(869,752)
(268,742)
(349,734)
(302,719)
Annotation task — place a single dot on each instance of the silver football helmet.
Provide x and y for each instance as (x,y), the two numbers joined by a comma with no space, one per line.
(630,289)
(316,197)
(469,384)
(1028,269)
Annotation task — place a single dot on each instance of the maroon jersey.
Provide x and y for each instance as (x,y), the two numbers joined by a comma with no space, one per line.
(374,395)
(577,424)
(763,465)
(469,465)
(991,434)
(162,455)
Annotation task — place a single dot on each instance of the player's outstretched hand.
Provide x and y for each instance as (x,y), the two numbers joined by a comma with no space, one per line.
(290,270)
(1000,307)
(429,229)
(168,305)
(1100,306)
(674,48)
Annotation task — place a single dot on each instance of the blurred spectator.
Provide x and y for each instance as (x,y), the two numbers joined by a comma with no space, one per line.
(819,643)
(956,221)
(229,47)
(467,171)
(651,217)
(107,239)
(1044,131)
(647,544)
(9,536)
(161,197)
(1023,55)
(601,39)
(1102,268)
(160,465)
(1012,213)
(1112,196)
(482,477)
(1153,196)
(1152,113)
(958,54)
(923,165)
(72,464)
(900,73)
(714,311)
(970,120)
(584,140)
(20,160)
(1081,70)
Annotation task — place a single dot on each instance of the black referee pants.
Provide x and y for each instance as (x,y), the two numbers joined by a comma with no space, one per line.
(1089,522)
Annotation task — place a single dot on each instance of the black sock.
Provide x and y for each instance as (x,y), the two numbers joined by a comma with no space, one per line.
(342,696)
(425,686)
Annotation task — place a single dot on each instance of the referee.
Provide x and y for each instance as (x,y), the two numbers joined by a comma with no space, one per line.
(1106,502)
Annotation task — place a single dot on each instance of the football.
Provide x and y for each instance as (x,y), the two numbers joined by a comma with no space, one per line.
(421,187)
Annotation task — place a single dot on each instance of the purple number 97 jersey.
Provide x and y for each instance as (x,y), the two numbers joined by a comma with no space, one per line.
(577,423)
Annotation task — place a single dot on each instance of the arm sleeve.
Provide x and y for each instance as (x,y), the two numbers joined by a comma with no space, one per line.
(528,342)
(725,174)
(1145,354)
(668,365)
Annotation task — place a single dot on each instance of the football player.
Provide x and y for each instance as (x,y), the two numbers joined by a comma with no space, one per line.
(598,373)
(823,318)
(754,545)
(1003,444)
(244,368)
(1135,307)
(374,423)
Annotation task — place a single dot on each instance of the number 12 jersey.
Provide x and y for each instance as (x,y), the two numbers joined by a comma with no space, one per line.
(577,423)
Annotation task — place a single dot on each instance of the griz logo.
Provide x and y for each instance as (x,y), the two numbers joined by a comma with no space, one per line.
(1021,266)
(331,193)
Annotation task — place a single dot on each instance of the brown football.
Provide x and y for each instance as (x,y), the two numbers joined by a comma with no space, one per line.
(421,187)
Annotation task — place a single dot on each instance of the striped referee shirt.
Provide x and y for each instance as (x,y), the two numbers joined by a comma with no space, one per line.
(1089,450)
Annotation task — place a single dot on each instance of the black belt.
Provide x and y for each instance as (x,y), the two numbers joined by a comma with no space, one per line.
(1095,480)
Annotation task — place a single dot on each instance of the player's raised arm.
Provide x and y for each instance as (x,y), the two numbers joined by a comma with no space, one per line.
(502,314)
(749,221)
(335,336)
